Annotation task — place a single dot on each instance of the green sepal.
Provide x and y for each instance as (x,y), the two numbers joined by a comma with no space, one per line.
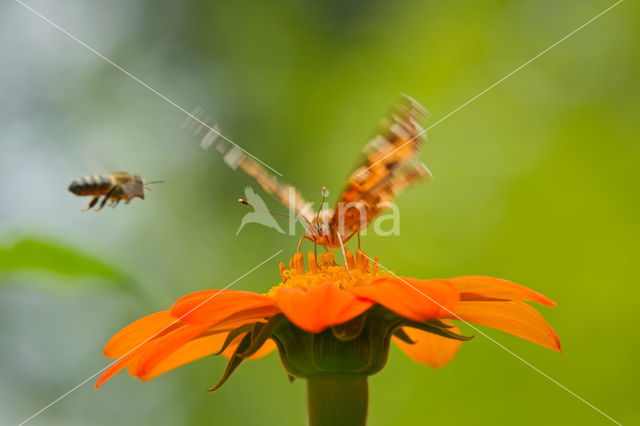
(233,334)
(305,354)
(234,362)
(432,328)
(260,334)
(441,324)
(402,335)
(349,330)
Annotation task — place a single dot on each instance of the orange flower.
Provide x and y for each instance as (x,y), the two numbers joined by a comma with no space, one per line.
(355,305)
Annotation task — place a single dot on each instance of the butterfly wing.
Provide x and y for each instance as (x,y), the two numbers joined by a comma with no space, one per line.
(389,166)
(236,158)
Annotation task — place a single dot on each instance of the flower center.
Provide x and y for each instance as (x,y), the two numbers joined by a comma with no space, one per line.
(359,271)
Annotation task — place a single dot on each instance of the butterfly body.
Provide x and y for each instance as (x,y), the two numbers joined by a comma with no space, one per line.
(322,232)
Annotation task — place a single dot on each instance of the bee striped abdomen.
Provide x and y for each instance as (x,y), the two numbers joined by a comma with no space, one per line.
(91,185)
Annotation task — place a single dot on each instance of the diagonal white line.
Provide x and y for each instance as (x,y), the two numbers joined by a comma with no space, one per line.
(67,393)
(495,84)
(142,83)
(515,355)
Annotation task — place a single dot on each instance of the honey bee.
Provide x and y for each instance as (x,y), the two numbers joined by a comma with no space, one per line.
(113,188)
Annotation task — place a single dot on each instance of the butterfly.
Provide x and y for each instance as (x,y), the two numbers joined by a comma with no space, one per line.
(389,165)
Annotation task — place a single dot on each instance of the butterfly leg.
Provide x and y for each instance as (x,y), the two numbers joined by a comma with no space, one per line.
(92,203)
(304,237)
(344,253)
(359,240)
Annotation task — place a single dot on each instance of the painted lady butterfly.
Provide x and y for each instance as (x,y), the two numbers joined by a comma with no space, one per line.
(389,166)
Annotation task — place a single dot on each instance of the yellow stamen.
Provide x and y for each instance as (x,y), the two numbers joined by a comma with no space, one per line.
(313,266)
(324,269)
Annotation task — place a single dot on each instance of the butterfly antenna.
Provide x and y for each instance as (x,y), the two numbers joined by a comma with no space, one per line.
(242,201)
(325,194)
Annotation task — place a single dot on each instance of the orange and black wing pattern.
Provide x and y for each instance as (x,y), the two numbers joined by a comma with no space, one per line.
(390,165)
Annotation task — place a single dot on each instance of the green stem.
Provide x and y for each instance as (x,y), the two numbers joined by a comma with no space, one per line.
(337,400)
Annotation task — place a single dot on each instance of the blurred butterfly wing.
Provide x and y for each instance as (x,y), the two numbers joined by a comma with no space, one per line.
(388,167)
(412,174)
(236,158)
(286,194)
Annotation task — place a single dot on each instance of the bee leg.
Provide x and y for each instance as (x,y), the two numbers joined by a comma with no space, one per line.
(105,199)
(114,203)
(92,203)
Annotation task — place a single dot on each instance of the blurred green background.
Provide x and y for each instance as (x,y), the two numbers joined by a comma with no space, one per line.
(535,181)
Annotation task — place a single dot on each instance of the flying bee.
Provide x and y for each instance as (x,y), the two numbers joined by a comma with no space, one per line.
(113,188)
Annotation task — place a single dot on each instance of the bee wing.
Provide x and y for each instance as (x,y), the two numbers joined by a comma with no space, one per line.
(97,161)
(389,166)
(236,158)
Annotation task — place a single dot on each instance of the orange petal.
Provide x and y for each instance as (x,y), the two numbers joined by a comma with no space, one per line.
(132,355)
(251,315)
(417,300)
(196,349)
(167,355)
(187,353)
(319,307)
(212,306)
(429,348)
(498,288)
(166,346)
(137,332)
(150,348)
(115,368)
(513,317)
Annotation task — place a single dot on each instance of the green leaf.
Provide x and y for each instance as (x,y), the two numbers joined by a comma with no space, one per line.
(37,255)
